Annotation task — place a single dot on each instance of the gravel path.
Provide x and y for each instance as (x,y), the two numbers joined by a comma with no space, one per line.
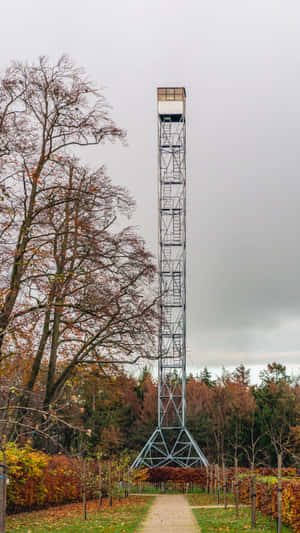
(170,514)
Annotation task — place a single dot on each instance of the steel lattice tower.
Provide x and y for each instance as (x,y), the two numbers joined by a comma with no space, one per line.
(171,443)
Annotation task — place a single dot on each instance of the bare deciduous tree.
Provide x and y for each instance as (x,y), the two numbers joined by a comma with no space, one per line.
(76,289)
(44,110)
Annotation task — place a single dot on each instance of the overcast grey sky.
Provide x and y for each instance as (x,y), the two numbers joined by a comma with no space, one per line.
(240,63)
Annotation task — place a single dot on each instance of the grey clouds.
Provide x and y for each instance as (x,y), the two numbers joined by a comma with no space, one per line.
(240,64)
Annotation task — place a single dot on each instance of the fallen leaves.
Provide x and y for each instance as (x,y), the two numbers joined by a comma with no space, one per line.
(61,518)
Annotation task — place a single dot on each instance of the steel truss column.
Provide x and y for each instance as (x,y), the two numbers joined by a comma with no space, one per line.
(171,443)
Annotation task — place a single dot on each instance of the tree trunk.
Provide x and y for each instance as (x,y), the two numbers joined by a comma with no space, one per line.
(53,354)
(36,365)
(237,494)
(119,485)
(215,479)
(253,497)
(2,497)
(18,264)
(279,492)
(84,489)
(218,483)
(127,483)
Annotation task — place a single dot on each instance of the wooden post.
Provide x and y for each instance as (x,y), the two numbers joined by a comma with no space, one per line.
(224,483)
(218,482)
(100,485)
(215,479)
(109,483)
(2,497)
(207,480)
(279,493)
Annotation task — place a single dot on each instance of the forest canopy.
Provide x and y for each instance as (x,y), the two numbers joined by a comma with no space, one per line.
(227,416)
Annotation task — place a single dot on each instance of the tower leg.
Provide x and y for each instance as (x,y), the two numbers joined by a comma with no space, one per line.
(160,451)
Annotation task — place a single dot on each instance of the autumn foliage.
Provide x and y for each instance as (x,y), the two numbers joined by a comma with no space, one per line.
(76,283)
(186,475)
(37,480)
(266,498)
(199,475)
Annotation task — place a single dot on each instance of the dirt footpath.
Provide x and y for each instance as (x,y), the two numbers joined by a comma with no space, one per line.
(170,514)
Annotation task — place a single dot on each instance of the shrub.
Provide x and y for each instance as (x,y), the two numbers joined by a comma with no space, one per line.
(37,480)
(266,497)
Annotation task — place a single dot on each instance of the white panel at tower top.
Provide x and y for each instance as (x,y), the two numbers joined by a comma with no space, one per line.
(170,108)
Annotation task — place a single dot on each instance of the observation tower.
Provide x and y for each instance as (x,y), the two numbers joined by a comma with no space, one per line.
(171,444)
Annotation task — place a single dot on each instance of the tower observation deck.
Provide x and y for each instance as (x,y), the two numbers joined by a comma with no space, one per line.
(171,444)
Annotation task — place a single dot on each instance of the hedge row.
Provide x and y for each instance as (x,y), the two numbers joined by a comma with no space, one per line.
(266,499)
(187,475)
(266,487)
(199,475)
(37,480)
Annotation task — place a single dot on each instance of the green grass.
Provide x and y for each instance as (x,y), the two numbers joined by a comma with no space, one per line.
(202,498)
(213,520)
(120,519)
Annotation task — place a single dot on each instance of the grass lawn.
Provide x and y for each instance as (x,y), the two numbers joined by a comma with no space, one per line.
(123,517)
(202,498)
(213,520)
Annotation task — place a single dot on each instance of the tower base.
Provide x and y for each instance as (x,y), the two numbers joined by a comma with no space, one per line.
(170,447)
